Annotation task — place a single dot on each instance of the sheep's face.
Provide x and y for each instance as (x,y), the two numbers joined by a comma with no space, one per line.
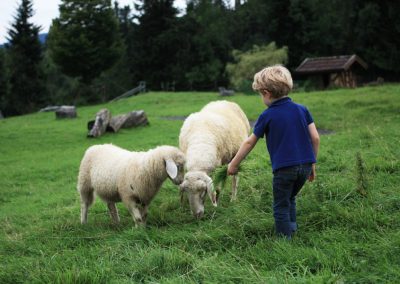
(175,168)
(197,185)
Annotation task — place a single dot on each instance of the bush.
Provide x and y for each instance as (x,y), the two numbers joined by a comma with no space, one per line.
(248,63)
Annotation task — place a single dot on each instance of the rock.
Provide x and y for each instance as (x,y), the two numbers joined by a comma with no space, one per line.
(224,92)
(98,126)
(131,119)
(66,112)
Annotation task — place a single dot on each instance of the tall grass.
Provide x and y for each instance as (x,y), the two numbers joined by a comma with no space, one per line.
(361,175)
(342,237)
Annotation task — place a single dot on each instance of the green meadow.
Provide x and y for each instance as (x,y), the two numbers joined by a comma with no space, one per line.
(349,218)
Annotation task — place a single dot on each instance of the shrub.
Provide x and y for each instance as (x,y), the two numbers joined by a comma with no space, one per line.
(247,63)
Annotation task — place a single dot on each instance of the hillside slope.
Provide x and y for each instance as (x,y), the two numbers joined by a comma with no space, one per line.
(343,235)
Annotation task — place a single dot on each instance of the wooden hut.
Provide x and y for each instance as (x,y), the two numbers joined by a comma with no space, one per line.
(334,71)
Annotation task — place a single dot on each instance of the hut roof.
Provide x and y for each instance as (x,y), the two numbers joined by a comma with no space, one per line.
(329,64)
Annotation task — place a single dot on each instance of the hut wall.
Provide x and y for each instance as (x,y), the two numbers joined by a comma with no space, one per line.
(344,79)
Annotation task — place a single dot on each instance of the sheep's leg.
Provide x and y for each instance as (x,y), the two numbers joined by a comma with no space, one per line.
(235,181)
(84,212)
(87,198)
(113,212)
(144,214)
(135,213)
(218,191)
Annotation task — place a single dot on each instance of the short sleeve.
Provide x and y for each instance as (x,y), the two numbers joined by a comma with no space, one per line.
(309,118)
(259,127)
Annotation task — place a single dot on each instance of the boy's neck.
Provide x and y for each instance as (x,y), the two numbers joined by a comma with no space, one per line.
(277,99)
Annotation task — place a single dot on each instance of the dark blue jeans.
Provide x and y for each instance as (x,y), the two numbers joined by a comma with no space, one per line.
(286,183)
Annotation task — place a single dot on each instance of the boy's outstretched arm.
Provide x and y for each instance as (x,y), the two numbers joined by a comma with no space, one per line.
(244,150)
(312,129)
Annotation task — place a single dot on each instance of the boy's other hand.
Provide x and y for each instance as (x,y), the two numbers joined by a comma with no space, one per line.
(232,169)
(313,174)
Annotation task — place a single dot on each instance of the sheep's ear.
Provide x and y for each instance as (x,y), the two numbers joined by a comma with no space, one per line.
(211,192)
(171,168)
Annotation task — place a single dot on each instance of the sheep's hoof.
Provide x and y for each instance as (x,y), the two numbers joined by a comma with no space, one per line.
(140,224)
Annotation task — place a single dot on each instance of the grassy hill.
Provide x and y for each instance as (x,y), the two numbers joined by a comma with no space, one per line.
(344,234)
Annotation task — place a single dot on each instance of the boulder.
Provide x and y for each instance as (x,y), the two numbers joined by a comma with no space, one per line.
(66,112)
(98,126)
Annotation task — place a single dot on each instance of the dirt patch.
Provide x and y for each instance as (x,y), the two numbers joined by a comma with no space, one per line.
(173,117)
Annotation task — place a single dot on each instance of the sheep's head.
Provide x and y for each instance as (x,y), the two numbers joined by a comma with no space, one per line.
(175,167)
(197,185)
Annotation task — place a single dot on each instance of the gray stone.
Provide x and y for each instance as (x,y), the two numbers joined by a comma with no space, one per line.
(98,126)
(66,112)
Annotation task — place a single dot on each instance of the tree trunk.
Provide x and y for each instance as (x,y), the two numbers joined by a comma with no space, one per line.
(135,118)
(116,122)
(98,126)
(131,119)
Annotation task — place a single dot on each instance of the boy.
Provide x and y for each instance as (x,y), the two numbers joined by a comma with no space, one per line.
(292,141)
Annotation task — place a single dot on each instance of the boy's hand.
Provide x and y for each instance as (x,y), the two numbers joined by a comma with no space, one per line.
(245,148)
(313,174)
(232,169)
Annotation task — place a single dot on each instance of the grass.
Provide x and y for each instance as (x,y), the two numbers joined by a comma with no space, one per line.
(220,175)
(344,235)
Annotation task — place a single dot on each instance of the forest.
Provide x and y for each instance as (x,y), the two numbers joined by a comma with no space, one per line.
(96,50)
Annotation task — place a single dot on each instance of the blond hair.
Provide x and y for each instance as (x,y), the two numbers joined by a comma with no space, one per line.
(275,79)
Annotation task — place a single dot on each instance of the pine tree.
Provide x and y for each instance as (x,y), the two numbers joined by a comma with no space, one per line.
(124,19)
(3,80)
(209,44)
(154,43)
(84,41)
(25,53)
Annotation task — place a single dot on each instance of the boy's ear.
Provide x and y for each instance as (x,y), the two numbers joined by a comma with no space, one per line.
(267,93)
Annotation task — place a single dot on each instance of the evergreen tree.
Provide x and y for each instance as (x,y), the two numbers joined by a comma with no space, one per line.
(25,54)
(377,36)
(84,41)
(124,16)
(120,78)
(209,44)
(3,80)
(59,87)
(249,24)
(154,43)
(301,41)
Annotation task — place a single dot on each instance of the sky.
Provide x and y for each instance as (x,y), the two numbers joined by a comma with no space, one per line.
(44,12)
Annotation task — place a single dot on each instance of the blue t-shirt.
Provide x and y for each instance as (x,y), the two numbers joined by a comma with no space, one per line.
(285,125)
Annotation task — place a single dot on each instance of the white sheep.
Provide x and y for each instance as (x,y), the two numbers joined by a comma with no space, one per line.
(134,178)
(210,138)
